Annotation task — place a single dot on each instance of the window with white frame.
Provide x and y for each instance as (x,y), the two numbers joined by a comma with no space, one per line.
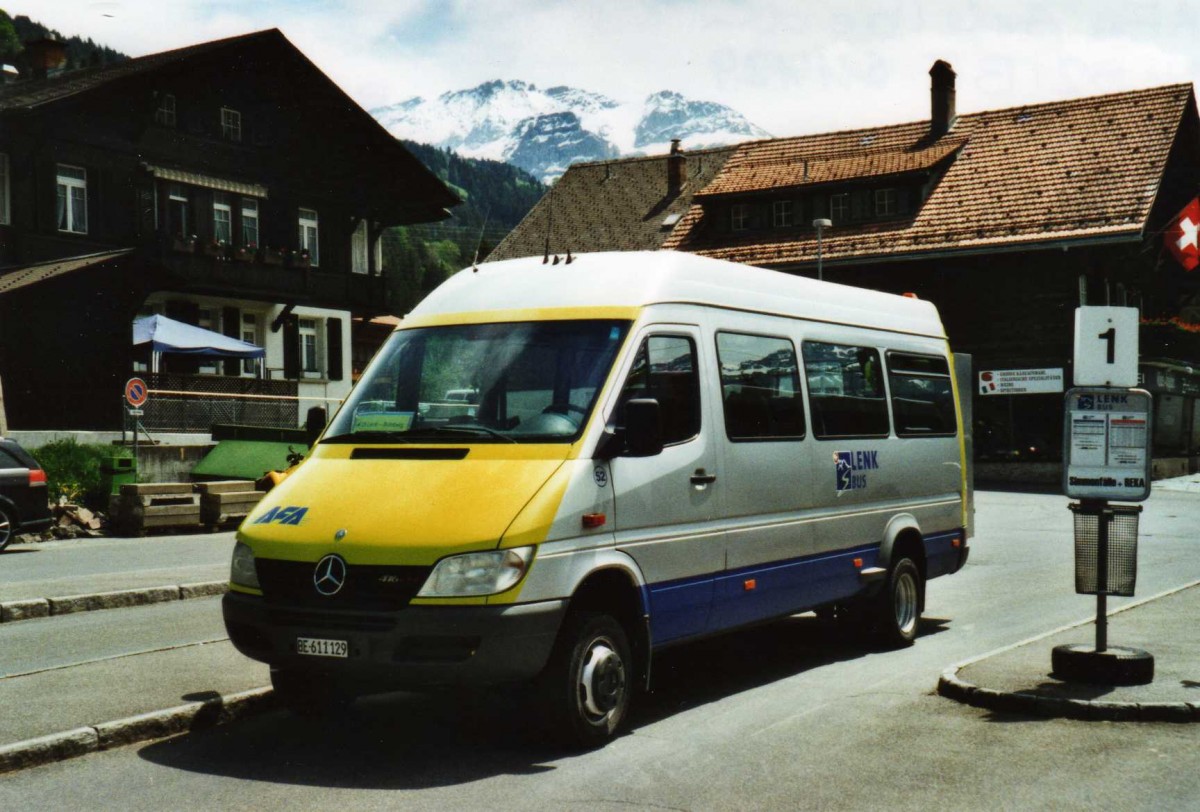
(781,213)
(359,249)
(71,205)
(250,336)
(231,124)
(309,357)
(887,202)
(739,219)
(249,222)
(177,210)
(308,234)
(5,214)
(222,219)
(839,208)
(208,319)
(165,112)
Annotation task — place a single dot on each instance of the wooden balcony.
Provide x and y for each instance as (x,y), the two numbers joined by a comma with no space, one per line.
(265,276)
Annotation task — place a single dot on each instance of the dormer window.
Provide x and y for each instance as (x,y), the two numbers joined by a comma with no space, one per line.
(781,213)
(740,217)
(839,208)
(231,124)
(165,113)
(887,202)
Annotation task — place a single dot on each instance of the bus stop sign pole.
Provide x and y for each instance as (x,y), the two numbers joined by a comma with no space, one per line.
(1106,456)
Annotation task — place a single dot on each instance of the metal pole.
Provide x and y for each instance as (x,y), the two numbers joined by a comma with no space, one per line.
(1102,577)
(820,273)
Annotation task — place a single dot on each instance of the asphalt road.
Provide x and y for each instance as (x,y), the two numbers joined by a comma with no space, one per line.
(782,717)
(86,566)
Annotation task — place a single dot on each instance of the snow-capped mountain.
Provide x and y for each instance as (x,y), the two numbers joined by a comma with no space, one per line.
(546,130)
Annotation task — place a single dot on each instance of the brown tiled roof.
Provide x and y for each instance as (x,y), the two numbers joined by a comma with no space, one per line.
(29,94)
(620,205)
(1080,169)
(16,278)
(767,168)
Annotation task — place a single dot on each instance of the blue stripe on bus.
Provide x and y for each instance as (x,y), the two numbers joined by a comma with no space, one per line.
(719,601)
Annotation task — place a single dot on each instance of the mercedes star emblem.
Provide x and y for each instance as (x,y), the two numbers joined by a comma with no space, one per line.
(330,575)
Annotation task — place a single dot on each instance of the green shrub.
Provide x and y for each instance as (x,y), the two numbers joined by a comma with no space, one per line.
(73,470)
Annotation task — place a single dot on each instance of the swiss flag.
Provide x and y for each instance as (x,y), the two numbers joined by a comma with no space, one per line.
(1181,236)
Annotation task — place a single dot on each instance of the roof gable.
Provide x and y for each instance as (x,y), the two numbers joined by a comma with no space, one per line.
(621,205)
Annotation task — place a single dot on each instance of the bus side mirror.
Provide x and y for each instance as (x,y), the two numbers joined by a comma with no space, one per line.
(643,428)
(641,436)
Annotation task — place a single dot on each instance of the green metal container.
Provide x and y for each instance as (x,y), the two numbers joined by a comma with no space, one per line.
(117,471)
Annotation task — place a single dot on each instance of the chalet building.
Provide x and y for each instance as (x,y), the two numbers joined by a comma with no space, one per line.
(1007,220)
(229,185)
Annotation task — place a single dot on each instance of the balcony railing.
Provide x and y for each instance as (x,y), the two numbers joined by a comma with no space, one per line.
(265,274)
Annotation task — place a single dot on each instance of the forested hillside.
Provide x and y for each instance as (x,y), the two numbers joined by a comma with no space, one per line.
(495,197)
(81,53)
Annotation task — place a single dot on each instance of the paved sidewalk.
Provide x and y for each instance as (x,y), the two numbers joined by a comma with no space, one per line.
(1018,679)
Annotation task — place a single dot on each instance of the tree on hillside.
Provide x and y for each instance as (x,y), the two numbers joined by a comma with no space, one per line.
(10,43)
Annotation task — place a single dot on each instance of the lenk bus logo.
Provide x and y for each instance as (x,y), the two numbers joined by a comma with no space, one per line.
(292,514)
(851,467)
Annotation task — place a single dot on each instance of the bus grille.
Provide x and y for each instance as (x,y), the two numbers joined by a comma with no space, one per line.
(367,588)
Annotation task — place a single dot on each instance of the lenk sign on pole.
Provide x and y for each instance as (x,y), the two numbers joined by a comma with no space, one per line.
(1106,438)
(1106,346)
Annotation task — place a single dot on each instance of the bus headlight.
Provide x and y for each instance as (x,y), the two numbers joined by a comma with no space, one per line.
(241,569)
(477,573)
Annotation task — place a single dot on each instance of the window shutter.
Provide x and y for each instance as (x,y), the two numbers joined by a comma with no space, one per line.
(231,324)
(291,348)
(333,343)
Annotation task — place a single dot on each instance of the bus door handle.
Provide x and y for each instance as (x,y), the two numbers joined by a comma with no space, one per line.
(702,477)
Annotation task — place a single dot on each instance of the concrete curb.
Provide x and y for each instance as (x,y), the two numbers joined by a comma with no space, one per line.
(143,727)
(26,609)
(951,686)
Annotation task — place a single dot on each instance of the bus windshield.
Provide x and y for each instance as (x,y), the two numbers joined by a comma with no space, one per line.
(511,382)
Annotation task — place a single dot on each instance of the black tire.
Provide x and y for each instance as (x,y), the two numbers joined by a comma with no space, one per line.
(587,684)
(898,607)
(308,694)
(8,526)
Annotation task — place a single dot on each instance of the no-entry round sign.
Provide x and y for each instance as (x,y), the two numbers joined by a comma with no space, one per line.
(136,392)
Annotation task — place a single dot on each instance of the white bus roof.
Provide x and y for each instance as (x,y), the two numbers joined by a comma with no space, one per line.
(641,278)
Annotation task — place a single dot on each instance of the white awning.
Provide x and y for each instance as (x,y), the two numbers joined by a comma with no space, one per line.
(207,181)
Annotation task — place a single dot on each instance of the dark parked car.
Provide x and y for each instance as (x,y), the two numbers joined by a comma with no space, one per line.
(24,506)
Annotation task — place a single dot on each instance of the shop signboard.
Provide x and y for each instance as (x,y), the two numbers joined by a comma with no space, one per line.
(1021,381)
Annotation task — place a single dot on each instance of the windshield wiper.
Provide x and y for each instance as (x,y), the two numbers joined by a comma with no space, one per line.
(464,429)
(369,437)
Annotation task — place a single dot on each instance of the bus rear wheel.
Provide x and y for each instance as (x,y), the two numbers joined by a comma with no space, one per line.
(898,607)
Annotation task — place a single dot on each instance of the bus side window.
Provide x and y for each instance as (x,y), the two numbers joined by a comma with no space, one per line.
(665,369)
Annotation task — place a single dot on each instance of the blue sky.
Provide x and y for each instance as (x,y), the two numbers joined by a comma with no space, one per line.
(790,66)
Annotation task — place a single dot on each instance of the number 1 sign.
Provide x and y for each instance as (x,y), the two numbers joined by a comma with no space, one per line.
(1106,346)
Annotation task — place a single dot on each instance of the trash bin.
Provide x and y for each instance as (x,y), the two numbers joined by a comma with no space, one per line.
(1122,524)
(117,471)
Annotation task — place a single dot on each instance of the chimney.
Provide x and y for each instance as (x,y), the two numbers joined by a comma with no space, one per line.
(47,57)
(941,98)
(676,168)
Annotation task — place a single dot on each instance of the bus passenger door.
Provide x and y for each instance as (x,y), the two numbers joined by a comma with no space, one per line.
(666,504)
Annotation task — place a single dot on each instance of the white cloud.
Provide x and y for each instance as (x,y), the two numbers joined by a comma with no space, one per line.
(790,66)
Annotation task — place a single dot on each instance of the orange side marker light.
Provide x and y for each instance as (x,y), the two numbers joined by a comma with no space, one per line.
(858,563)
(750,584)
